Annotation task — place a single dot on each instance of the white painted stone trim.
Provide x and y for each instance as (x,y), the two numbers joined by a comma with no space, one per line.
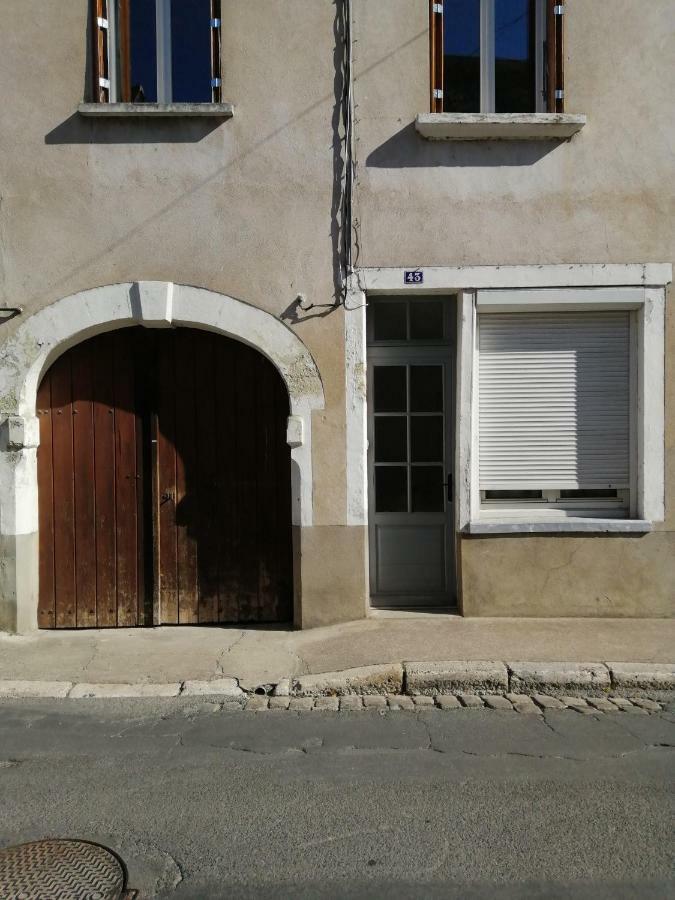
(44,336)
(486,126)
(356,424)
(450,279)
(580,286)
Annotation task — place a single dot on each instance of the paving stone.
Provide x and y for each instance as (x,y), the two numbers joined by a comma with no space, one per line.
(628,707)
(645,703)
(523,704)
(279,702)
(299,704)
(256,703)
(447,701)
(331,704)
(351,701)
(547,702)
(283,688)
(578,704)
(471,701)
(619,702)
(374,701)
(496,701)
(422,700)
(400,701)
(602,704)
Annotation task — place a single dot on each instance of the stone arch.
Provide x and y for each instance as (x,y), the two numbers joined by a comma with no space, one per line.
(45,335)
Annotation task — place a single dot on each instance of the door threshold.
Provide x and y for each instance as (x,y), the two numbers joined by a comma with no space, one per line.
(411,612)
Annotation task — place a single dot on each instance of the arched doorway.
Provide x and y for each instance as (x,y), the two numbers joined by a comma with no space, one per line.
(164,483)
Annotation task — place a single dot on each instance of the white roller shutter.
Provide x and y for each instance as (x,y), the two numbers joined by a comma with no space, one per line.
(554,400)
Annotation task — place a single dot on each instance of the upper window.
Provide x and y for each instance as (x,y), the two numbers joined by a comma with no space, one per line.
(156,51)
(496,56)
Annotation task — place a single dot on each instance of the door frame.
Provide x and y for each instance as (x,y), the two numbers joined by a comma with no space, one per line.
(42,337)
(411,353)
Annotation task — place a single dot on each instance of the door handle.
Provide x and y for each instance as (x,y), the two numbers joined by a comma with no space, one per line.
(448,485)
(166,497)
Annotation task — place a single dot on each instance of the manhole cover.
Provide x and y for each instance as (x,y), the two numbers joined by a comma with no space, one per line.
(60,870)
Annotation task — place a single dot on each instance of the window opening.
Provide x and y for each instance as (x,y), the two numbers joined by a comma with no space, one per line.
(496,56)
(157,51)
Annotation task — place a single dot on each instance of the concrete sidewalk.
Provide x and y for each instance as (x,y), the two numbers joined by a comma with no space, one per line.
(257,656)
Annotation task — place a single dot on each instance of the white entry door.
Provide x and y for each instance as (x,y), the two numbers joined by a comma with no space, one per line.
(410,403)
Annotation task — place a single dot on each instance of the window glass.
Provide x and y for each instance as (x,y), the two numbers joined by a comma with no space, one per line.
(461,25)
(390,391)
(514,56)
(191,51)
(427,488)
(391,489)
(426,438)
(143,51)
(426,388)
(426,320)
(390,321)
(391,439)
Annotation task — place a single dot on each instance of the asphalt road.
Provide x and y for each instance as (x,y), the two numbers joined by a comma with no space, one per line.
(202,802)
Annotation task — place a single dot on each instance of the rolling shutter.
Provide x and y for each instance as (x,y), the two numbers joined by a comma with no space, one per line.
(554,400)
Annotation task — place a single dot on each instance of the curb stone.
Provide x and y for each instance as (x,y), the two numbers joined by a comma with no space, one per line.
(219,687)
(642,679)
(380,679)
(51,689)
(456,676)
(93,691)
(559,678)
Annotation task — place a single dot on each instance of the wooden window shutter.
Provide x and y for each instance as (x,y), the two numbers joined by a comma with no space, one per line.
(555,81)
(99,43)
(216,42)
(436,54)
(554,400)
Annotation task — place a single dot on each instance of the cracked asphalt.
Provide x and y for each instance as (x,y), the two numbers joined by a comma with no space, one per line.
(203,800)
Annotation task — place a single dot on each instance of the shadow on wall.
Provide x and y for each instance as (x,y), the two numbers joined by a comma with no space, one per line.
(77,129)
(408,150)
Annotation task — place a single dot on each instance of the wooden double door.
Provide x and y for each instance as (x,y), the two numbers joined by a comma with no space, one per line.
(164,483)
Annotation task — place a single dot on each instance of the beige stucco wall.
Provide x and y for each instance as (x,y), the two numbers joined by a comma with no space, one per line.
(246,208)
(606,196)
(243,207)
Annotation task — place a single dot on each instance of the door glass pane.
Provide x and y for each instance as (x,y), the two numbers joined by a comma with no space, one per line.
(143,51)
(426,438)
(514,56)
(426,388)
(191,51)
(427,488)
(461,83)
(390,321)
(391,439)
(426,320)
(389,389)
(391,489)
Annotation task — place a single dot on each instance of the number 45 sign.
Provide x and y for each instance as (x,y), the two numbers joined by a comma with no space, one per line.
(413,277)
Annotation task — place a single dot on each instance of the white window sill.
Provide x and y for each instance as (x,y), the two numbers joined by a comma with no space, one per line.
(569,525)
(161,110)
(498,126)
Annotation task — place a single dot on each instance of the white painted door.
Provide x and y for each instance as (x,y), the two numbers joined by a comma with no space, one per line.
(410,368)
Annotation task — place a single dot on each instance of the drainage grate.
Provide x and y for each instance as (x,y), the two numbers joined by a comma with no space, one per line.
(61,870)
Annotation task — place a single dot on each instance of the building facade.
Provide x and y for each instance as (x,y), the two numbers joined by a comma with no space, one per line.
(310,307)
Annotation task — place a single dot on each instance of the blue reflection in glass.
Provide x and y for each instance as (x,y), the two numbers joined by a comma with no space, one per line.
(191,50)
(461,83)
(143,28)
(514,56)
